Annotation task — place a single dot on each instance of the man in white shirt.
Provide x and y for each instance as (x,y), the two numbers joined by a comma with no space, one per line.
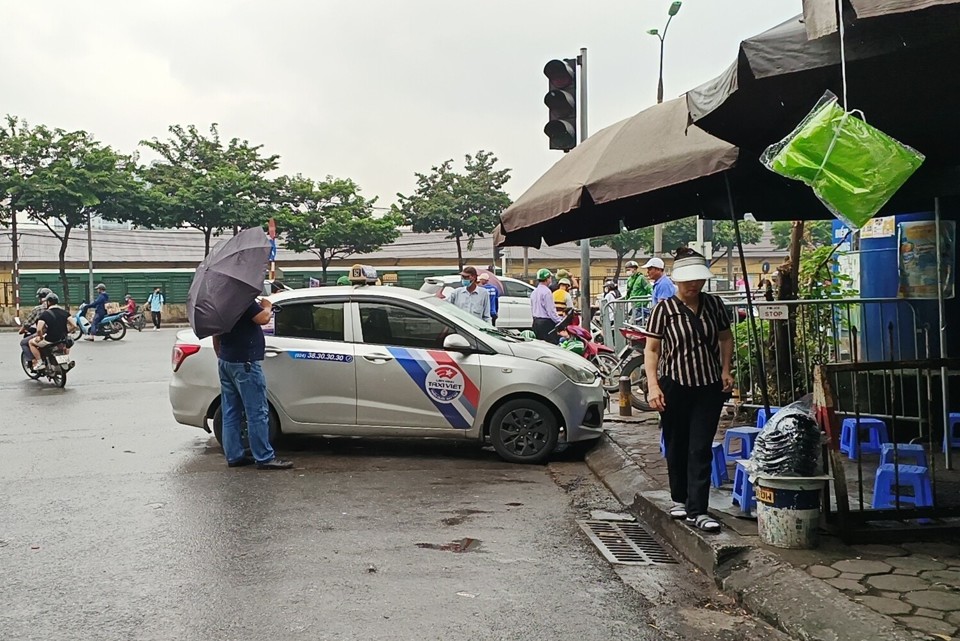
(470,297)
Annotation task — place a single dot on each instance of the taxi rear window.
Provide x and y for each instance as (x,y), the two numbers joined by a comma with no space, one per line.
(319,321)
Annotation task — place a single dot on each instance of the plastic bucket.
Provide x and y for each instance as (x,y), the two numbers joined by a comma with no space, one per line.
(788,511)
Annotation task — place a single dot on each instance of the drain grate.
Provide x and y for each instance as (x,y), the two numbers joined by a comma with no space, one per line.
(625,543)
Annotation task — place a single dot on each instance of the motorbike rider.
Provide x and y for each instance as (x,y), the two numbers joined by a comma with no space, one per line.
(27,329)
(131,309)
(53,326)
(100,310)
(638,288)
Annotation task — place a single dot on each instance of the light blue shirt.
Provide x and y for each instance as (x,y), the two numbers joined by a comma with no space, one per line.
(476,302)
(156,302)
(662,289)
(542,305)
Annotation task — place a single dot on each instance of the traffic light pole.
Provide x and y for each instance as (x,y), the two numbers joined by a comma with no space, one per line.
(585,243)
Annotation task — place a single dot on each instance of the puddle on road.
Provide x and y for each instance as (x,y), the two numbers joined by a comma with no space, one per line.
(461,516)
(463,545)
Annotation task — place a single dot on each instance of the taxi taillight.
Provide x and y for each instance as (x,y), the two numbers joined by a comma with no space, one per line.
(180,353)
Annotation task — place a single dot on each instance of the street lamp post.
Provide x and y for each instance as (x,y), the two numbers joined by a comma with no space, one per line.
(672,11)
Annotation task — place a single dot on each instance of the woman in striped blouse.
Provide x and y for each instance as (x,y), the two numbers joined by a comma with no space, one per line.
(687,360)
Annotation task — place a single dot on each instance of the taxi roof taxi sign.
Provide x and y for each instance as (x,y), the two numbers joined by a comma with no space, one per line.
(363,275)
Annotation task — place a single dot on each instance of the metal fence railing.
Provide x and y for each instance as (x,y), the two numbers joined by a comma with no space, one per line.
(890,447)
(796,336)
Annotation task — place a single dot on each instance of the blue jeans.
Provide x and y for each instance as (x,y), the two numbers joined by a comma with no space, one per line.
(96,323)
(243,390)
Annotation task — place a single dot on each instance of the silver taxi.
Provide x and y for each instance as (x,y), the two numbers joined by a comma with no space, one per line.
(389,361)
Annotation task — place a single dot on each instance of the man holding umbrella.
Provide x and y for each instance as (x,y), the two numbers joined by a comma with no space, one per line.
(222,303)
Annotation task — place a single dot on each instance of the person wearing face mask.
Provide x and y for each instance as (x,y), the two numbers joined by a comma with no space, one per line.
(470,297)
(638,288)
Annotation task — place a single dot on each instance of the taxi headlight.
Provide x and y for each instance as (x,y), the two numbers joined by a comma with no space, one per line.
(580,375)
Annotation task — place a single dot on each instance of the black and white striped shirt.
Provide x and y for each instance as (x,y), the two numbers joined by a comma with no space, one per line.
(684,355)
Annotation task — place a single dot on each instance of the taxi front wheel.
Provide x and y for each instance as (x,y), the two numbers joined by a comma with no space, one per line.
(524,431)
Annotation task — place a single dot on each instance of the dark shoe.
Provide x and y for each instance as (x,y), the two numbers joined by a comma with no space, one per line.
(241,462)
(275,464)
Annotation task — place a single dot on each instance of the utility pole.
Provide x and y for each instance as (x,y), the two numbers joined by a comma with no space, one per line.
(584,243)
(674,9)
(15,256)
(90,256)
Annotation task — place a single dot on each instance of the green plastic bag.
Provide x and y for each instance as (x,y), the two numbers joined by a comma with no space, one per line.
(853,168)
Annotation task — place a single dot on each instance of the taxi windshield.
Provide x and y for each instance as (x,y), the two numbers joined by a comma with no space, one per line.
(469,319)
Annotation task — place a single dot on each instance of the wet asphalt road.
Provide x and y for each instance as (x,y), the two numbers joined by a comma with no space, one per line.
(118,524)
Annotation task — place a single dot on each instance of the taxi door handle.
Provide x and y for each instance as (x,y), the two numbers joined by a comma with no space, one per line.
(270,352)
(377,358)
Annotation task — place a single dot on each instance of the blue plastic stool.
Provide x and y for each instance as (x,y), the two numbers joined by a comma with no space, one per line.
(904,451)
(852,445)
(743,490)
(763,417)
(663,446)
(718,468)
(916,476)
(745,435)
(953,432)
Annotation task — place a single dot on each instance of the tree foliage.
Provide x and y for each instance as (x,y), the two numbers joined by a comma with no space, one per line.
(62,179)
(816,233)
(466,205)
(331,219)
(627,243)
(207,184)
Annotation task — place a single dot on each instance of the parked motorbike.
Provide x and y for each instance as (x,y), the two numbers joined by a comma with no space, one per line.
(600,355)
(630,361)
(111,327)
(55,359)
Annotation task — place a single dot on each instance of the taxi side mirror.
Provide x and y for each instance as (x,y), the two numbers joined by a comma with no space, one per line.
(456,343)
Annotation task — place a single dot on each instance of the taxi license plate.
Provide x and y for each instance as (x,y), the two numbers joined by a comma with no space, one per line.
(63,359)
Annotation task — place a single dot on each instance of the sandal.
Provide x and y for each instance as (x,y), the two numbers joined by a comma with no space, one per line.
(678,511)
(704,522)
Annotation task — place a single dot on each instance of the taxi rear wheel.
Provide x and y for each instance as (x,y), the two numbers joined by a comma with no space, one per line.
(524,431)
(273,424)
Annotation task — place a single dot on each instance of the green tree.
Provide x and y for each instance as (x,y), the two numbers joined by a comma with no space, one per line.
(466,205)
(63,179)
(627,243)
(331,219)
(725,238)
(209,185)
(816,233)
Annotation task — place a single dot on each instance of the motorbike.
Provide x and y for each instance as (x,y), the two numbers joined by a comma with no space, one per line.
(55,359)
(111,327)
(630,363)
(136,321)
(600,355)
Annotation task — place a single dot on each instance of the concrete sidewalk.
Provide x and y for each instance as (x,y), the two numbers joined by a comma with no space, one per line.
(834,593)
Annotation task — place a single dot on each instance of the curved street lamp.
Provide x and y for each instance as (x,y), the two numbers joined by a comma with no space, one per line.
(672,11)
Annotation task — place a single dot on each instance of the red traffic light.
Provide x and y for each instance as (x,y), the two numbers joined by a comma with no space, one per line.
(560,73)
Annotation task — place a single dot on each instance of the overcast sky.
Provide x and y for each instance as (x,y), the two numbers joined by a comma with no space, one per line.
(374,90)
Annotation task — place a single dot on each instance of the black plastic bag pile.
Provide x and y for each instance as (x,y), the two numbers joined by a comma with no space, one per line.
(790,443)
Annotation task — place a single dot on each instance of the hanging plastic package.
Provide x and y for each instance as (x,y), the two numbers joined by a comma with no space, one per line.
(790,442)
(853,168)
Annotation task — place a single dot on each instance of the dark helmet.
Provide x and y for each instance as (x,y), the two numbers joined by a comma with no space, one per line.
(101,286)
(42,292)
(52,298)
(609,285)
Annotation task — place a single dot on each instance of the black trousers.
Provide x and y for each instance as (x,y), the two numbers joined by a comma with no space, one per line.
(689,424)
(156,319)
(542,328)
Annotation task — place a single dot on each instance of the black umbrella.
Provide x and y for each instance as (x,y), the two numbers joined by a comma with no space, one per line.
(903,73)
(227,281)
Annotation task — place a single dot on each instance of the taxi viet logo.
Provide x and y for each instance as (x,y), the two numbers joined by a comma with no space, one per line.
(444,384)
